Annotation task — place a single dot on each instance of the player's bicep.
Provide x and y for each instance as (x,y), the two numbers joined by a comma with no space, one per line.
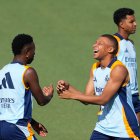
(118,77)
(31,80)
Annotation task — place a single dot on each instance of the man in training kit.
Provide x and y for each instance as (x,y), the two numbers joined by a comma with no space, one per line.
(18,83)
(109,87)
(125,20)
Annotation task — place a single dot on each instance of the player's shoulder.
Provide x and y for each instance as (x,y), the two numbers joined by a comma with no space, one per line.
(30,69)
(30,74)
(117,63)
(95,65)
(117,38)
(131,41)
(119,66)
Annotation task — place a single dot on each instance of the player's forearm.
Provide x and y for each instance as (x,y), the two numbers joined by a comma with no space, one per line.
(46,100)
(43,100)
(33,121)
(89,99)
(73,89)
(83,100)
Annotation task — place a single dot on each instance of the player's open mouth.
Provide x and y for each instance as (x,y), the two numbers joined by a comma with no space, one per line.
(95,51)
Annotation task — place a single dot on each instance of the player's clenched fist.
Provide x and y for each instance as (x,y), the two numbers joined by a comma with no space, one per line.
(62,86)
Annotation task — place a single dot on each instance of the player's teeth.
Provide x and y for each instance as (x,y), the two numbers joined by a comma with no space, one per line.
(95,51)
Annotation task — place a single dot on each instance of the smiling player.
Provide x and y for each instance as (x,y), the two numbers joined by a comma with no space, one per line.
(109,87)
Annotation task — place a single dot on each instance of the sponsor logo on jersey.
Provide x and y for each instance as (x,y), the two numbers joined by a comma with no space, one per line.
(106,78)
(99,89)
(7,82)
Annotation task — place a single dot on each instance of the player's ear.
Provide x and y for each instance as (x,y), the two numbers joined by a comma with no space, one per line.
(121,24)
(26,52)
(111,50)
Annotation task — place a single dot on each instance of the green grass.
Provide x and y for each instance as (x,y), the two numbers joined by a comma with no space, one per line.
(64,31)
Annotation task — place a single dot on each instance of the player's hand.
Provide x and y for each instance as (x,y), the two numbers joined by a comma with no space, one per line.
(62,86)
(40,129)
(48,91)
(67,94)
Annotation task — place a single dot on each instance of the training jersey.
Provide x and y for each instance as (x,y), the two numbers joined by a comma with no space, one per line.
(127,55)
(117,118)
(15,97)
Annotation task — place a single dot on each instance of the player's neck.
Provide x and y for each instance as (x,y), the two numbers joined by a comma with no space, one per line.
(105,62)
(123,34)
(19,59)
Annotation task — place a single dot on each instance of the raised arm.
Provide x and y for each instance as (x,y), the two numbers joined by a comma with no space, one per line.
(31,81)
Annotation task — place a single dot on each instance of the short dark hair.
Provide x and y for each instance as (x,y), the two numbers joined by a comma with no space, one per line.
(121,13)
(114,42)
(19,42)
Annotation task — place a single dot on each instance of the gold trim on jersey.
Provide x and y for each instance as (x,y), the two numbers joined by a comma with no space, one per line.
(95,66)
(26,67)
(118,39)
(127,126)
(116,63)
(30,132)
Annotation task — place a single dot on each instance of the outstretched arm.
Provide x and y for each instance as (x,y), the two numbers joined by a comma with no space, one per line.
(118,76)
